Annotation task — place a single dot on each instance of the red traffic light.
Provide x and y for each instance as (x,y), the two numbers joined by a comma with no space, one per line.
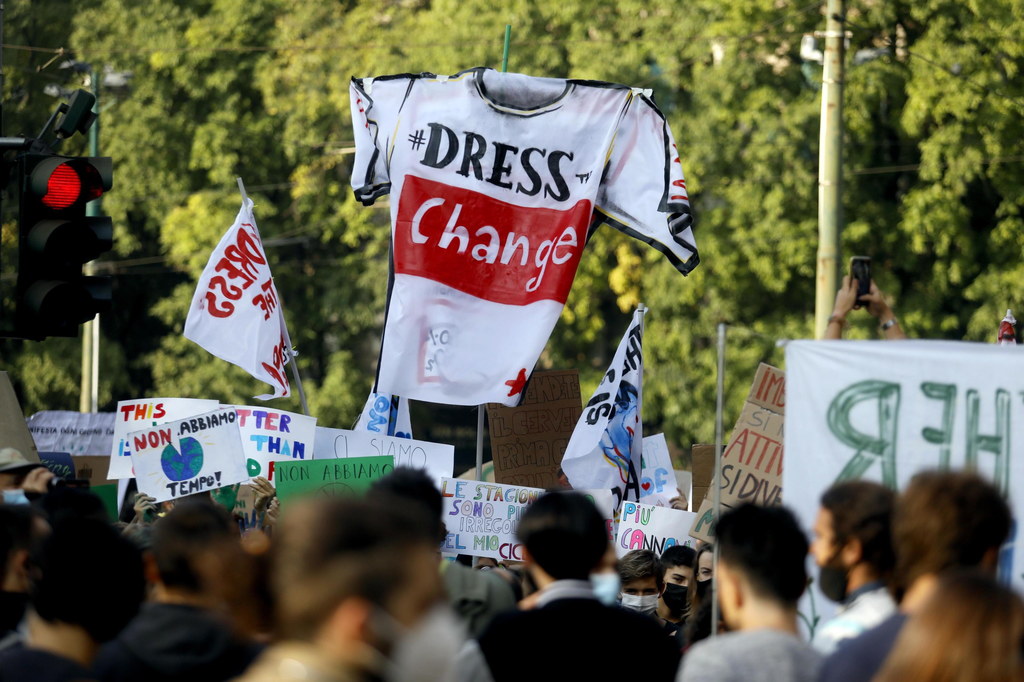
(62,183)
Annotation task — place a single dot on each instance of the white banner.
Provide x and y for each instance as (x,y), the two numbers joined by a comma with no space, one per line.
(133,415)
(657,477)
(482,518)
(74,432)
(188,456)
(273,436)
(883,411)
(606,446)
(235,312)
(387,415)
(642,526)
(437,459)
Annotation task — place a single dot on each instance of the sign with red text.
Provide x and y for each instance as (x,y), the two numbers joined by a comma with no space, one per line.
(133,415)
(437,459)
(273,436)
(481,518)
(235,312)
(188,456)
(643,526)
(657,477)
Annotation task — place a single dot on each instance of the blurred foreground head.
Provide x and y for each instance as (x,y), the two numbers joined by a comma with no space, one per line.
(564,535)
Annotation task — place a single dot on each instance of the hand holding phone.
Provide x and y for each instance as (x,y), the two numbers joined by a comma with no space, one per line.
(860,270)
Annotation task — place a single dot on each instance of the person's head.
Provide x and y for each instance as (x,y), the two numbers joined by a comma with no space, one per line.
(14,467)
(350,574)
(85,574)
(640,573)
(677,576)
(192,548)
(761,554)
(563,535)
(945,520)
(970,630)
(413,486)
(20,524)
(852,536)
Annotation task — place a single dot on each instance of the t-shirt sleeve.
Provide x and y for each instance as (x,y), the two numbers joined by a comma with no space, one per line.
(643,192)
(375,105)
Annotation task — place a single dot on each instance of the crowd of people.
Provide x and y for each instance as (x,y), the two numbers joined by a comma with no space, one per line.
(356,589)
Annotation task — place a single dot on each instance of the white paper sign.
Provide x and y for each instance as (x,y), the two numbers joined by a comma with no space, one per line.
(437,459)
(270,435)
(482,518)
(657,478)
(643,526)
(73,432)
(133,415)
(188,456)
(883,411)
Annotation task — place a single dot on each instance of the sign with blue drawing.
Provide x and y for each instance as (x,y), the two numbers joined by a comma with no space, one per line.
(657,479)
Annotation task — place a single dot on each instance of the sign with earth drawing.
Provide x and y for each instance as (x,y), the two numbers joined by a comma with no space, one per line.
(188,456)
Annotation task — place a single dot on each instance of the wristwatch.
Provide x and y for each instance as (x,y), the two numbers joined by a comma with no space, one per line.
(886,325)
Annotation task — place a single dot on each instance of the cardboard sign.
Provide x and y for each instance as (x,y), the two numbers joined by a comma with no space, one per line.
(752,458)
(528,441)
(482,518)
(703,463)
(188,456)
(643,526)
(657,478)
(273,436)
(604,500)
(330,478)
(73,432)
(133,415)
(93,468)
(13,431)
(437,459)
(703,527)
(59,463)
(884,411)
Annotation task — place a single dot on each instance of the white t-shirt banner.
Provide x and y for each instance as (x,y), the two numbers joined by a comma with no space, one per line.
(133,415)
(883,411)
(643,526)
(657,477)
(273,436)
(482,518)
(437,459)
(72,432)
(188,456)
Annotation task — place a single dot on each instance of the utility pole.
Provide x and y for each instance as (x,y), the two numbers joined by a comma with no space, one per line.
(830,160)
(89,398)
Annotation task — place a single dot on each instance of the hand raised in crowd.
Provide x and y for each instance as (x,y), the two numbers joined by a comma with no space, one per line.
(874,301)
(679,501)
(37,480)
(143,503)
(264,493)
(273,510)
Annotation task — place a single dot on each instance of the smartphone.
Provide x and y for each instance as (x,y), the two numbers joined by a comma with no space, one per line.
(860,270)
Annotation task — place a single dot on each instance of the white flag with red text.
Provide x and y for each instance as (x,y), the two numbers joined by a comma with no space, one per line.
(606,447)
(235,312)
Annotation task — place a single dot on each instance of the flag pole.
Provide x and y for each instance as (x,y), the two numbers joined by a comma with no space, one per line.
(717,510)
(288,339)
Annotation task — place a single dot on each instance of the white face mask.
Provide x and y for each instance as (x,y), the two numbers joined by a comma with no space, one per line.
(16,496)
(425,652)
(606,587)
(646,604)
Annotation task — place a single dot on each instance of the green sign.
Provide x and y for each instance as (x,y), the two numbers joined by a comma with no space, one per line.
(329,477)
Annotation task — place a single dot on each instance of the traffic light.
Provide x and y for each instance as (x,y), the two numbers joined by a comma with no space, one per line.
(55,239)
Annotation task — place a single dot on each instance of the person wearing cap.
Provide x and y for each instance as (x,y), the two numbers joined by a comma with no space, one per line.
(20,477)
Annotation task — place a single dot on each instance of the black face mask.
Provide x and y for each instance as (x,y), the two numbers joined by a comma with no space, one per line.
(674,597)
(703,586)
(832,582)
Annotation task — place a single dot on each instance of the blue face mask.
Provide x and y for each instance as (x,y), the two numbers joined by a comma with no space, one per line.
(15,497)
(606,587)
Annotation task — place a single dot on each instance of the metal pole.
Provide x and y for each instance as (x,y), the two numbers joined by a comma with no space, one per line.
(480,442)
(830,158)
(717,494)
(504,53)
(89,398)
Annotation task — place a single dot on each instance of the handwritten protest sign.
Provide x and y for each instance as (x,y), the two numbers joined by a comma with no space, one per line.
(657,478)
(74,432)
(752,459)
(643,526)
(604,500)
(188,456)
(884,411)
(59,463)
(437,459)
(702,459)
(528,441)
(330,478)
(133,415)
(273,436)
(481,518)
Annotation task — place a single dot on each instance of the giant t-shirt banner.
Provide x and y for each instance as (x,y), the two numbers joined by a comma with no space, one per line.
(497,181)
(884,411)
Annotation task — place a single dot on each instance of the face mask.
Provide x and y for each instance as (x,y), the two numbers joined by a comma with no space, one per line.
(15,497)
(703,587)
(646,604)
(606,587)
(424,652)
(674,597)
(832,581)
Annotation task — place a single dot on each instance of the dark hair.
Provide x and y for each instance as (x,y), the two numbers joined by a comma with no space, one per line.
(67,503)
(565,534)
(677,555)
(328,550)
(183,535)
(640,564)
(946,520)
(86,574)
(767,546)
(15,532)
(415,486)
(862,511)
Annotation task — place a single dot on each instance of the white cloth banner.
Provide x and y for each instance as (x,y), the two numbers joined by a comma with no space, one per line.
(437,459)
(273,436)
(387,415)
(883,411)
(643,526)
(74,432)
(606,446)
(133,415)
(188,456)
(236,313)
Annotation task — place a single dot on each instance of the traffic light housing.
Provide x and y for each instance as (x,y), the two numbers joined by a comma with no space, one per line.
(56,238)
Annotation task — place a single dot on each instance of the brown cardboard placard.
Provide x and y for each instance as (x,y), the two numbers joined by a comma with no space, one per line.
(14,431)
(93,468)
(528,441)
(769,389)
(703,463)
